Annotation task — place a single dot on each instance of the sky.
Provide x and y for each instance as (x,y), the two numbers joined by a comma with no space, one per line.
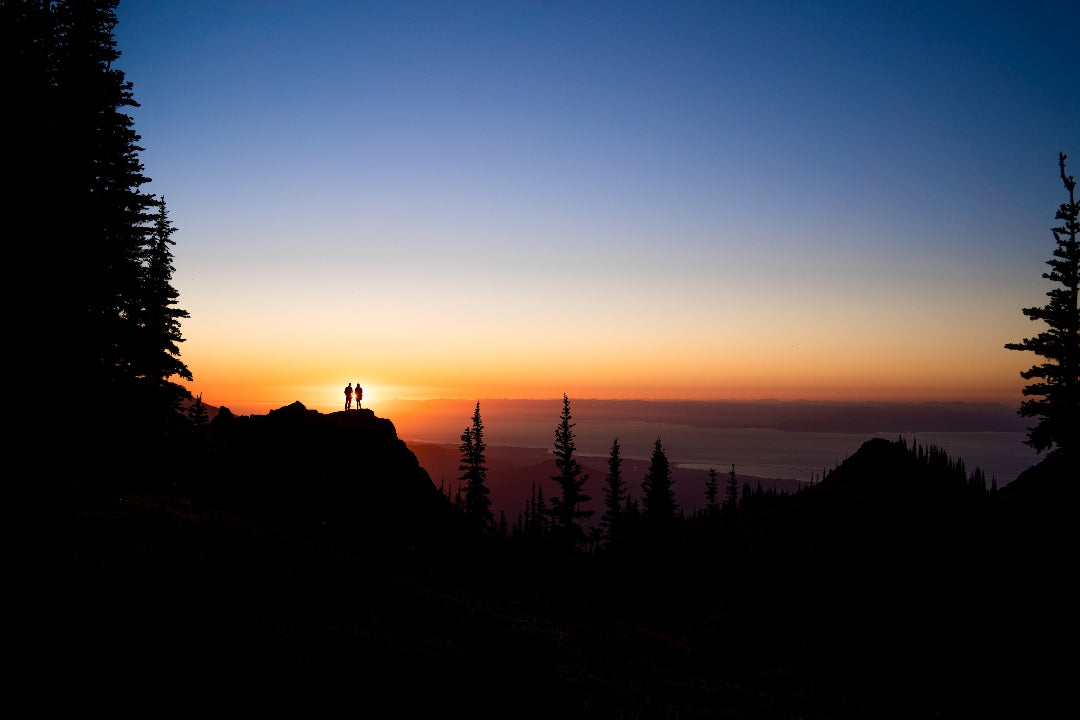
(680,200)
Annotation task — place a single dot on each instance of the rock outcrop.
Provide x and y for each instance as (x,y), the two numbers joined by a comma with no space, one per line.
(346,473)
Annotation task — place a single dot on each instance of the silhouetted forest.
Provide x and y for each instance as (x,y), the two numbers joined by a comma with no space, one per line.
(305,550)
(148,549)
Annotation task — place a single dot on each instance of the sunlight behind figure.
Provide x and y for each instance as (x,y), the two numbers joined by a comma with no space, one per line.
(330,398)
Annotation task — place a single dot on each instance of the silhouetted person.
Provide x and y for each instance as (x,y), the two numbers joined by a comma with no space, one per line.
(359,395)
(348,397)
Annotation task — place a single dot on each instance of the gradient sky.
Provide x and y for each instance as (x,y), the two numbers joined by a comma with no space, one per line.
(520,198)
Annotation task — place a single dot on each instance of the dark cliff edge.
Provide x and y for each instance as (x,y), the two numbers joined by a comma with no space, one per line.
(346,474)
(258,550)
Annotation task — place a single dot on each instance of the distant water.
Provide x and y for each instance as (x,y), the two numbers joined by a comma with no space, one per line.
(802,455)
(783,455)
(790,440)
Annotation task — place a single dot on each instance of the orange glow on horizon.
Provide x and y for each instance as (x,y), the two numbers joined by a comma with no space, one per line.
(856,357)
(385,399)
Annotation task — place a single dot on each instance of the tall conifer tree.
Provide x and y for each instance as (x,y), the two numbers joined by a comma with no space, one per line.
(87,225)
(658,494)
(159,320)
(474,495)
(1054,397)
(615,494)
(712,493)
(566,510)
(536,514)
(731,494)
(100,180)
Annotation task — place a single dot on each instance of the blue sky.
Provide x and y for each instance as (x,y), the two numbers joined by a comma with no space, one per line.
(614,199)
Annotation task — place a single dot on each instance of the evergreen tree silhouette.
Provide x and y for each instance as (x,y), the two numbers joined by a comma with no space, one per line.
(731,495)
(159,322)
(474,492)
(111,321)
(566,510)
(1054,397)
(712,493)
(532,525)
(746,495)
(977,483)
(615,494)
(658,495)
(101,178)
(536,514)
(197,413)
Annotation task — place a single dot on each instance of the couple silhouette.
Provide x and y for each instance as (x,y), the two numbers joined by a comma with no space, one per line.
(349,392)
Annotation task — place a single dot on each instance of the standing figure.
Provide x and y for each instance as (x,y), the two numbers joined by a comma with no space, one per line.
(359,395)
(348,396)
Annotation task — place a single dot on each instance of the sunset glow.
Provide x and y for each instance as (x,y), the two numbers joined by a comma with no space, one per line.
(611,200)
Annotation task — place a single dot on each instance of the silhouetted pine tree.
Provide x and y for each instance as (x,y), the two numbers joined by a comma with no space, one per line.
(536,515)
(158,320)
(712,493)
(731,495)
(474,496)
(197,414)
(531,527)
(566,512)
(1055,396)
(977,482)
(100,180)
(615,494)
(27,52)
(86,224)
(658,495)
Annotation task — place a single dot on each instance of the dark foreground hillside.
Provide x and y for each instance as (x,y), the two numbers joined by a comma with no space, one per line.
(308,554)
